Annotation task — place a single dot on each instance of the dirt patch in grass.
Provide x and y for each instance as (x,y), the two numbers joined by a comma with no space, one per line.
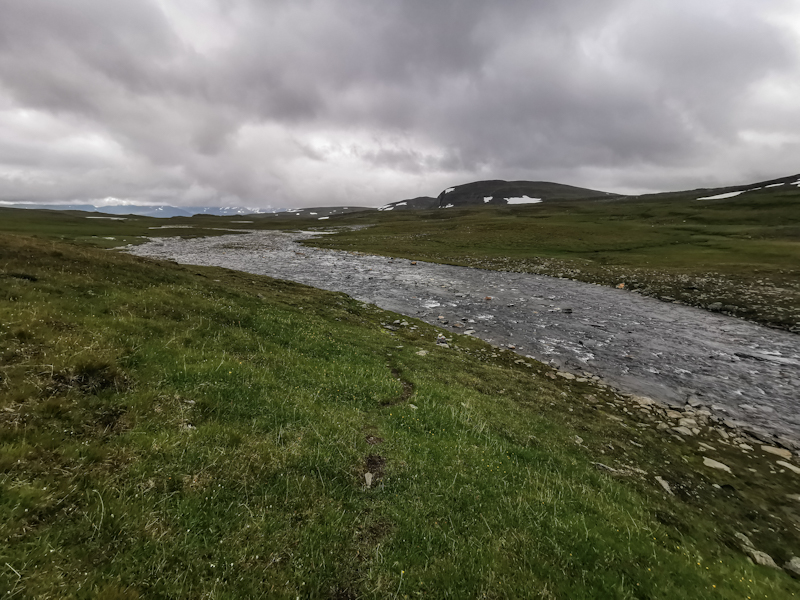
(408,390)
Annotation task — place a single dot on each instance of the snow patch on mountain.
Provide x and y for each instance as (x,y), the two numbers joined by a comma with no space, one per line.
(522,200)
(723,196)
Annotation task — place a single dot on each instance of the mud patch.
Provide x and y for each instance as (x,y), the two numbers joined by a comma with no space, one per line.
(374,465)
(88,378)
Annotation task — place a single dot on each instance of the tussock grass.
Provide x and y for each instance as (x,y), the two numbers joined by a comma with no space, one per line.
(193,432)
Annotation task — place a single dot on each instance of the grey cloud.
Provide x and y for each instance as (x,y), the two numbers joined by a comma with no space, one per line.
(315,102)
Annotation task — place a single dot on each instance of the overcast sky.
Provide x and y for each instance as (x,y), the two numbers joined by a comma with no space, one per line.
(363,102)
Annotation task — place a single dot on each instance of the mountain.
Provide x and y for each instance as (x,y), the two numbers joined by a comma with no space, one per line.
(419,203)
(497,191)
(721,194)
(160,211)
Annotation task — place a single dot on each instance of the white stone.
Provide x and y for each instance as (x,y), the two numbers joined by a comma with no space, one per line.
(710,462)
(762,558)
(782,452)
(793,566)
(683,431)
(789,466)
(664,485)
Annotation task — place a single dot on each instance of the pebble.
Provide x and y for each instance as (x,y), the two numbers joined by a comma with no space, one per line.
(643,400)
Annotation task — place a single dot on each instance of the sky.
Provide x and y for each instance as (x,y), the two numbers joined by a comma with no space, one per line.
(300,103)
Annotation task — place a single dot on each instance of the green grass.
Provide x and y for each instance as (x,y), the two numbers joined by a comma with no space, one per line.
(173,432)
(739,255)
(110,231)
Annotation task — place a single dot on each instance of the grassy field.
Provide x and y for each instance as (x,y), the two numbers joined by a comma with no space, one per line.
(738,255)
(184,432)
(109,231)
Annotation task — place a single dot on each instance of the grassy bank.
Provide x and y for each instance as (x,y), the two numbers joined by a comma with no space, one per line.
(736,255)
(178,432)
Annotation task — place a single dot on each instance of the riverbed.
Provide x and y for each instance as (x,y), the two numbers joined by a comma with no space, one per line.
(742,372)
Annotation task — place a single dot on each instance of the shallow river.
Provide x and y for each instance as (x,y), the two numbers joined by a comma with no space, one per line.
(676,354)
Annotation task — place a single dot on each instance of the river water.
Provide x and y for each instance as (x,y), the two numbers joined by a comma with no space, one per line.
(740,371)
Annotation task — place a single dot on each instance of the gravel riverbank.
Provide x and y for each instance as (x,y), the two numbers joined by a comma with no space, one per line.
(742,372)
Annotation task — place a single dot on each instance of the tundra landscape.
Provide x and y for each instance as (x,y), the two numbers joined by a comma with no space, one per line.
(178,421)
(349,300)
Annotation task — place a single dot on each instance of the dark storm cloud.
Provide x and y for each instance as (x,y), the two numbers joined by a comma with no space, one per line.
(322,102)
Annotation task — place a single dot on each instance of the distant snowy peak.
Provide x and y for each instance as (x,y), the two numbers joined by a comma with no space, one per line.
(320,213)
(225,211)
(163,211)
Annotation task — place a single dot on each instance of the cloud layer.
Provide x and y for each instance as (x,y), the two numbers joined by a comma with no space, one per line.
(316,102)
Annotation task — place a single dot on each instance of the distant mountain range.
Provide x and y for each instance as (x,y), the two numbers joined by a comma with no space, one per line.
(477,193)
(321,213)
(499,192)
(162,211)
(166,211)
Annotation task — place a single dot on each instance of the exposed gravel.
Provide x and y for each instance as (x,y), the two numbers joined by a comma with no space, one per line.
(676,354)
